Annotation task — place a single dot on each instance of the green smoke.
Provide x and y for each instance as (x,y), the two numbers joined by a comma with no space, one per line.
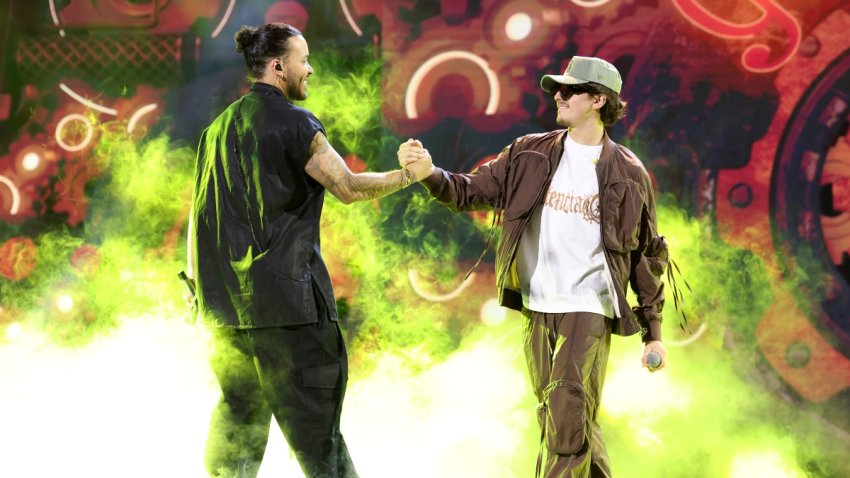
(439,386)
(375,244)
(718,404)
(345,94)
(122,261)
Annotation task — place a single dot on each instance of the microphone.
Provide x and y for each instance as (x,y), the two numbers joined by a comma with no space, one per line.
(190,284)
(192,316)
(653,360)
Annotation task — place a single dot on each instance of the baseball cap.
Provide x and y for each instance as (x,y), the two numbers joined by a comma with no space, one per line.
(584,69)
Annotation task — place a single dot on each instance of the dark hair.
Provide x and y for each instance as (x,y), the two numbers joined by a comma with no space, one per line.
(259,45)
(613,109)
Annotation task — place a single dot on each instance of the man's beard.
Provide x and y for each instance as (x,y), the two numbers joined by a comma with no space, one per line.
(293,92)
(563,122)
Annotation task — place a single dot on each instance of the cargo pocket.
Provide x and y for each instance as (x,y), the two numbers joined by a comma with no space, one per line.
(622,203)
(657,255)
(563,417)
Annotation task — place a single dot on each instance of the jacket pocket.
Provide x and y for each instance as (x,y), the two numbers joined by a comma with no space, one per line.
(291,259)
(622,204)
(563,417)
(292,295)
(657,255)
(276,299)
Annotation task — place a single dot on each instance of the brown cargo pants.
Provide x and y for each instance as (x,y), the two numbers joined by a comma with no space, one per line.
(567,355)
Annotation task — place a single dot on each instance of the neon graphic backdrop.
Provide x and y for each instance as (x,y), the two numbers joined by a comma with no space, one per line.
(739,109)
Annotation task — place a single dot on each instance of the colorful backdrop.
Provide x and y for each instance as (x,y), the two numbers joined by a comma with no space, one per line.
(739,109)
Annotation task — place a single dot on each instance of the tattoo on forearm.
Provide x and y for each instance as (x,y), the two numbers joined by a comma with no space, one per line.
(329,169)
(375,185)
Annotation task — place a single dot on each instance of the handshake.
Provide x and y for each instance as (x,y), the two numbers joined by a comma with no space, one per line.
(413,157)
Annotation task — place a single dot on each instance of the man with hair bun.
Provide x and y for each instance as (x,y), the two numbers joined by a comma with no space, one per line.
(578,228)
(253,249)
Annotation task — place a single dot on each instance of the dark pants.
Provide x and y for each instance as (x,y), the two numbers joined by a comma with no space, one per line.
(567,355)
(298,374)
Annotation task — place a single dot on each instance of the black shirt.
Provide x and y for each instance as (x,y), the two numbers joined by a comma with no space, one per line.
(257,256)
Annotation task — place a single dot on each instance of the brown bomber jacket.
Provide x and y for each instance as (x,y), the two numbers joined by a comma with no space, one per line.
(515,182)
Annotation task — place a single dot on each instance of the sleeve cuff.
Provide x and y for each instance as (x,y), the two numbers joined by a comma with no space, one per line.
(432,181)
(653,332)
(650,322)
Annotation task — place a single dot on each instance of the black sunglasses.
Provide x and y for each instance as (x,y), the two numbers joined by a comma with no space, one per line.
(569,90)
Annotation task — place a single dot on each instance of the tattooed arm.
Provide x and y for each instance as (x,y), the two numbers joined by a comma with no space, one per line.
(328,168)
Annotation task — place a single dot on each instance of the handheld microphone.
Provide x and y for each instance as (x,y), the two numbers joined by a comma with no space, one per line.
(653,360)
(190,285)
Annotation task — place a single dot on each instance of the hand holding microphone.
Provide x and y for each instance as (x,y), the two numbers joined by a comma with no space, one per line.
(653,360)
(654,356)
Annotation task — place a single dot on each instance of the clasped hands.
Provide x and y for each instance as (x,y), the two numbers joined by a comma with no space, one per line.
(415,158)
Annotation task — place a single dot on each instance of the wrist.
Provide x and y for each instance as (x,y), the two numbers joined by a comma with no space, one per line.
(406,178)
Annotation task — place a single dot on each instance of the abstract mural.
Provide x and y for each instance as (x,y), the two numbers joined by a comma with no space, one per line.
(740,110)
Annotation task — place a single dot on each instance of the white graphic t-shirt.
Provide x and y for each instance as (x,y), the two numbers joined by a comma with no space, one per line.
(560,261)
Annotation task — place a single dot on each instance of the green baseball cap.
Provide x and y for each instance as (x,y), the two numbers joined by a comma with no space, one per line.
(585,69)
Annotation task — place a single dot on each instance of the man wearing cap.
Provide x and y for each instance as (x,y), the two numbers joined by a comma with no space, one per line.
(578,228)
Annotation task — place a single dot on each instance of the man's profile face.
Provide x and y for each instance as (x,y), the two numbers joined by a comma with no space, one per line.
(296,69)
(576,106)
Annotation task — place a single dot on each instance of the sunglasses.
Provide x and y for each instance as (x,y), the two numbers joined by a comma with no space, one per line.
(569,90)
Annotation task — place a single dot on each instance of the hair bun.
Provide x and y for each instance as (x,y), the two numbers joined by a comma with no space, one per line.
(245,38)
